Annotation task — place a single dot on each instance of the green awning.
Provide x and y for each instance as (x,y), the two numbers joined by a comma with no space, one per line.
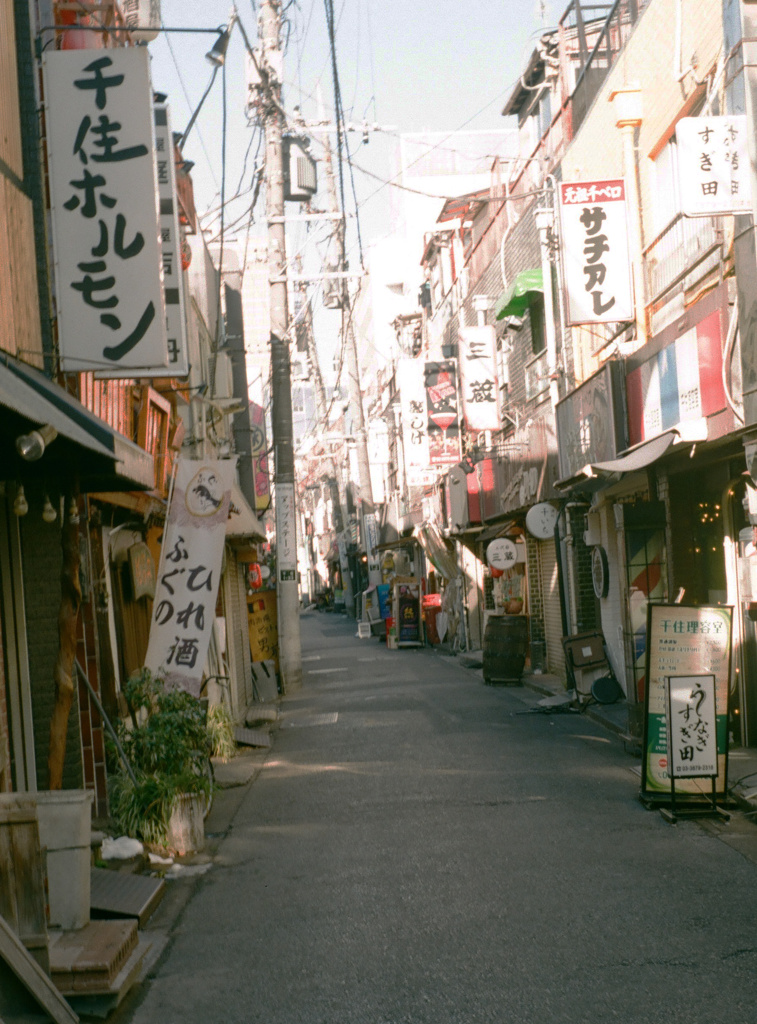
(516,298)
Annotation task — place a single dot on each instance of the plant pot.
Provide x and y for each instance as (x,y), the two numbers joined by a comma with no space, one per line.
(186,828)
(65,827)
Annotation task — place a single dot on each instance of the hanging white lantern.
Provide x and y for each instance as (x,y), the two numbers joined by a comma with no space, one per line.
(142,12)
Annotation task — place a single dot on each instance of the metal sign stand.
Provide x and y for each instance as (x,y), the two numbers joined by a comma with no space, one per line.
(705,686)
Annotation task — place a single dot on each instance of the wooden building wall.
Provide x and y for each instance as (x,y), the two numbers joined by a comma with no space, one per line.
(20,332)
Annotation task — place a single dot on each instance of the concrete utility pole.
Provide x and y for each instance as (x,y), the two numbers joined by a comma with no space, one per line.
(287,589)
(352,367)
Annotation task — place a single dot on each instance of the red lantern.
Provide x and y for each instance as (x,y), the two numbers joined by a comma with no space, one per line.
(186,254)
(80,38)
(255,576)
(496,573)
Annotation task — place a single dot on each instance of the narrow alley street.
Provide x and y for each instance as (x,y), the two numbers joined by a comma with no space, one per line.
(419,849)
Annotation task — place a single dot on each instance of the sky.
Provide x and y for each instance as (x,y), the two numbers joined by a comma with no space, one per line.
(428,65)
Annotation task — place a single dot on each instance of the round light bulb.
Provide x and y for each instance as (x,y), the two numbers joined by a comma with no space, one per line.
(20,505)
(49,515)
(73,512)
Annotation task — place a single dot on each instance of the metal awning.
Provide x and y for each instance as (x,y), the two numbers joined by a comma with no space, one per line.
(392,545)
(85,447)
(492,532)
(242,524)
(516,298)
(598,474)
(460,206)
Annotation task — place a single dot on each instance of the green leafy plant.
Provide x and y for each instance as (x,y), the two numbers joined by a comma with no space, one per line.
(221,730)
(168,746)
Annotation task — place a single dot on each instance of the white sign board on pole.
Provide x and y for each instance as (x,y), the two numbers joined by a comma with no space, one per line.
(104,211)
(692,734)
(595,259)
(170,244)
(713,165)
(190,569)
(478,377)
(412,389)
(286,533)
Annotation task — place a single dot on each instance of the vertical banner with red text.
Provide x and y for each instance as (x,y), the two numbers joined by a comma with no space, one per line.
(259,452)
(443,419)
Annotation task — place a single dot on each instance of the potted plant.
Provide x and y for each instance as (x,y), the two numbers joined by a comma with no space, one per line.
(168,746)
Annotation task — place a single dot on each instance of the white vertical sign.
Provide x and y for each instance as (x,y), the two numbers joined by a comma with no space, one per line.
(479,378)
(190,568)
(108,272)
(596,264)
(412,389)
(170,244)
(692,726)
(370,522)
(286,533)
(713,165)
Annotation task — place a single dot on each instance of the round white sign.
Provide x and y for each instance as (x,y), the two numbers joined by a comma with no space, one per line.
(502,553)
(541,519)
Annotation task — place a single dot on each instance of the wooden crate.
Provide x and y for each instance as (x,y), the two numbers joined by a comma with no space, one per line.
(23,896)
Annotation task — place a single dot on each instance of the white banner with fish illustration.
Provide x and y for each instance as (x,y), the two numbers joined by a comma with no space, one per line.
(190,570)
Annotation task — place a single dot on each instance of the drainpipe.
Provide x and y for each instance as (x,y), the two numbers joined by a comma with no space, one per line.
(544,223)
(627,103)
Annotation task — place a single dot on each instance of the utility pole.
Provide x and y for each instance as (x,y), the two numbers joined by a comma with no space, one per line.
(352,367)
(287,588)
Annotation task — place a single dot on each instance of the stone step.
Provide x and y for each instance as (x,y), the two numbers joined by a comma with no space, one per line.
(90,959)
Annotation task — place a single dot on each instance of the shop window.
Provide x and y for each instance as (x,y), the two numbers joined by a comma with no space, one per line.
(538,324)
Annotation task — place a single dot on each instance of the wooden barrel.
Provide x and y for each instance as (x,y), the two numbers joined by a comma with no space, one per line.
(505,646)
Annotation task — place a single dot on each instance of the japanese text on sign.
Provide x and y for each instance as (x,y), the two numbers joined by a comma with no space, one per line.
(190,569)
(104,212)
(170,244)
(692,726)
(414,425)
(478,378)
(713,165)
(683,643)
(596,266)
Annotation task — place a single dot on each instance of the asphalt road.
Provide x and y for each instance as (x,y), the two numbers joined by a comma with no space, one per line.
(417,850)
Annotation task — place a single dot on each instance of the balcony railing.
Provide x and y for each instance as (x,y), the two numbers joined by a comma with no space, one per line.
(596,51)
(594,44)
(110,400)
(687,250)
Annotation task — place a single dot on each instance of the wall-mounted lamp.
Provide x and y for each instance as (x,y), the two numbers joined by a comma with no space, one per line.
(32,446)
(216,55)
(514,323)
(227,406)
